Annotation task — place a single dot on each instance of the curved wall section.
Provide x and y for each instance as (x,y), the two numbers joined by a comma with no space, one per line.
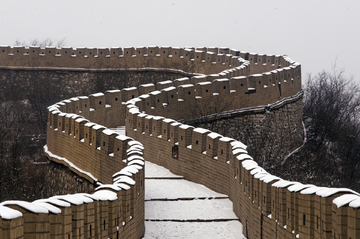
(79,137)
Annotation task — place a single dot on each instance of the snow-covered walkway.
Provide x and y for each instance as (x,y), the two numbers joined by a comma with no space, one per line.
(177,208)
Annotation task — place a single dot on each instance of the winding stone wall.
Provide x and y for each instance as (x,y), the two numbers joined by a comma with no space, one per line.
(267,206)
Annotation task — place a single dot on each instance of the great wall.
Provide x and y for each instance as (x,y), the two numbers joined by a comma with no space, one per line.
(79,135)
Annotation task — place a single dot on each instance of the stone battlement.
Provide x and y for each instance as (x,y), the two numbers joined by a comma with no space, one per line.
(229,81)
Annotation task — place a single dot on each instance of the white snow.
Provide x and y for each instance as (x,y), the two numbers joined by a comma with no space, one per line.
(240,151)
(154,170)
(134,162)
(124,179)
(70,199)
(53,201)
(107,186)
(109,132)
(310,190)
(49,207)
(214,135)
(134,142)
(32,207)
(226,139)
(97,94)
(345,199)
(189,209)
(97,127)
(123,186)
(327,192)
(106,195)
(185,126)
(9,213)
(134,157)
(68,163)
(201,130)
(237,144)
(196,206)
(298,187)
(176,188)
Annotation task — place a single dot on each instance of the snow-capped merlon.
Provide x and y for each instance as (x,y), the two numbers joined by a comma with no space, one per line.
(185,126)
(298,187)
(239,151)
(261,174)
(183,79)
(107,186)
(249,164)
(327,192)
(106,195)
(109,132)
(345,199)
(214,135)
(32,207)
(9,213)
(186,86)
(310,190)
(355,203)
(134,142)
(226,139)
(242,157)
(155,92)
(125,179)
(222,80)
(70,199)
(204,83)
(97,126)
(165,82)
(269,178)
(133,162)
(97,94)
(49,207)
(129,89)
(167,120)
(112,91)
(135,157)
(283,184)
(56,202)
(169,88)
(256,170)
(201,130)
(237,144)
(123,186)
(123,137)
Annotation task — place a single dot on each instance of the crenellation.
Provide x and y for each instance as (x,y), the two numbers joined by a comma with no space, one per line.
(267,206)
(198,142)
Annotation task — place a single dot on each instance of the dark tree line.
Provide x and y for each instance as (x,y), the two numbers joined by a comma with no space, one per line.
(331,154)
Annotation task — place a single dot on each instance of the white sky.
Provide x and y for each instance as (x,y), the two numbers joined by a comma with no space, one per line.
(315,33)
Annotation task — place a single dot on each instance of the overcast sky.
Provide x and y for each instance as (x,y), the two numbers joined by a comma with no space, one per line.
(315,33)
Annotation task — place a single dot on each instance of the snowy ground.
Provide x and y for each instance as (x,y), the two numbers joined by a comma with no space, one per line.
(177,208)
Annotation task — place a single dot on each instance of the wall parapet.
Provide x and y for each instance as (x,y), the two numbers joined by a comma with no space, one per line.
(268,206)
(227,80)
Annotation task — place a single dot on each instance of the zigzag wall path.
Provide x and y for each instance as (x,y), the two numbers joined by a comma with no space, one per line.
(220,79)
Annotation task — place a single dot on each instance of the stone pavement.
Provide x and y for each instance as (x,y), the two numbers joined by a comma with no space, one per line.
(177,208)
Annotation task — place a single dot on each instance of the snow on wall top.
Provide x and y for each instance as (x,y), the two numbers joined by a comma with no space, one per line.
(9,213)
(345,199)
(32,207)
(56,202)
(49,207)
(105,195)
(298,187)
(201,130)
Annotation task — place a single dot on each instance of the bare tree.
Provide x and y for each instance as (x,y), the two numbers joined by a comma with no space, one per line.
(42,43)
